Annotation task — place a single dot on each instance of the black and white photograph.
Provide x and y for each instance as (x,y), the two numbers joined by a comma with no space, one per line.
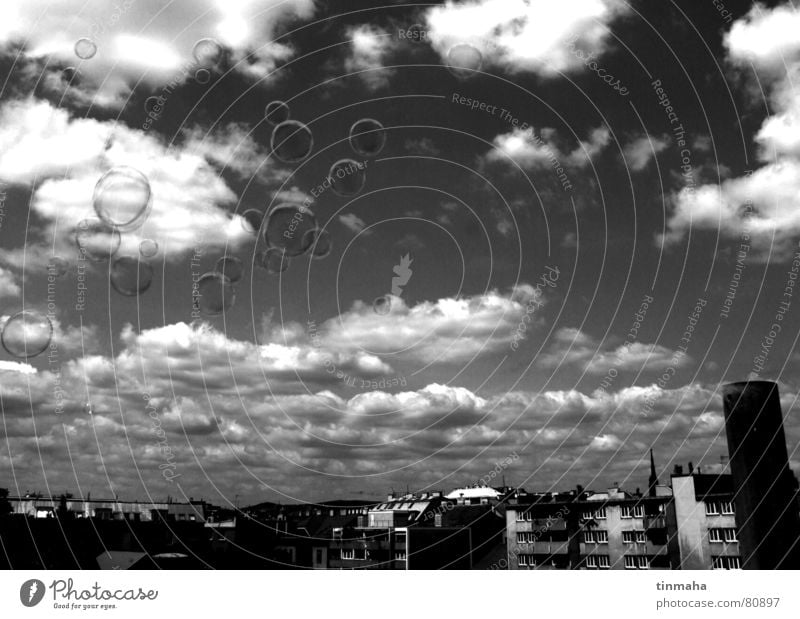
(482,286)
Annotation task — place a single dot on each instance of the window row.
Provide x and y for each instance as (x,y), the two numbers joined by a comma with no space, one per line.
(725,563)
(595,537)
(634,537)
(715,508)
(637,562)
(632,511)
(357,554)
(722,535)
(594,562)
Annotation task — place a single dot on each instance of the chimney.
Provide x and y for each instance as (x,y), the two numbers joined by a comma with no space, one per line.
(691,468)
(678,470)
(766,508)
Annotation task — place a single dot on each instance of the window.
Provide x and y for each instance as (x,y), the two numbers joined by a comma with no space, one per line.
(625,511)
(630,562)
(603,563)
(726,563)
(730,535)
(588,537)
(601,537)
(638,511)
(520,516)
(522,538)
(715,535)
(319,556)
(643,563)
(727,508)
(361,554)
(628,537)
(712,508)
(399,556)
(641,537)
(591,562)
(528,516)
(348,553)
(526,560)
(400,537)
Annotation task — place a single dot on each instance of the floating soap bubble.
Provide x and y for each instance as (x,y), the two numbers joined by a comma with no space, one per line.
(217,294)
(291,141)
(464,60)
(231,267)
(367,137)
(347,177)
(382,305)
(286,228)
(148,248)
(70,74)
(154,105)
(202,76)
(273,260)
(130,276)
(251,220)
(320,242)
(276,112)
(85,48)
(207,52)
(27,334)
(97,239)
(123,198)
(57,266)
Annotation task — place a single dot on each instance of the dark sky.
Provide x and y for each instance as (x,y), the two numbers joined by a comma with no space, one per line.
(567,208)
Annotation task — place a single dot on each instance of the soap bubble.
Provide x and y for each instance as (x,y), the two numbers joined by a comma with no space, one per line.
(57,266)
(27,334)
(231,267)
(70,74)
(202,76)
(276,112)
(367,137)
(291,141)
(382,305)
(148,248)
(85,48)
(320,242)
(273,260)
(207,52)
(131,276)
(123,198)
(251,220)
(464,60)
(97,239)
(286,228)
(217,294)
(348,177)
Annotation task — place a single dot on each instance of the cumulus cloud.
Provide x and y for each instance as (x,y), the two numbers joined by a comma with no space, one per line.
(641,150)
(532,150)
(352,222)
(369,46)
(134,45)
(525,35)
(764,204)
(572,347)
(64,157)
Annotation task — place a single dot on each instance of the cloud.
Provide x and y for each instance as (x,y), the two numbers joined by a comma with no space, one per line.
(135,45)
(368,48)
(449,330)
(763,205)
(524,35)
(352,222)
(9,288)
(66,157)
(536,151)
(572,347)
(640,151)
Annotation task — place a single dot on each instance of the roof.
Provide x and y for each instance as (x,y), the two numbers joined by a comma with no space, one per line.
(712,485)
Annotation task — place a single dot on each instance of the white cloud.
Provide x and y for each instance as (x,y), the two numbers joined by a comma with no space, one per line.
(640,151)
(531,150)
(368,48)
(525,35)
(766,203)
(352,222)
(572,347)
(9,288)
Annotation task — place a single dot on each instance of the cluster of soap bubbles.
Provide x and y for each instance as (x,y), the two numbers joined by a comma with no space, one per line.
(208,54)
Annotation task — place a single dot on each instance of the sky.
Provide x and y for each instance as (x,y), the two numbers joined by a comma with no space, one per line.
(585,219)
